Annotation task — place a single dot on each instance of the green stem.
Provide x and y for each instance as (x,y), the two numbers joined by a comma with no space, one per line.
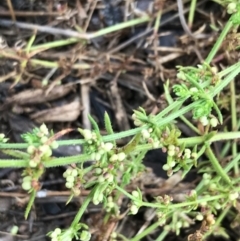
(119,235)
(220,39)
(234,123)
(232,164)
(13,163)
(30,203)
(228,70)
(146,232)
(83,208)
(217,167)
(175,206)
(162,236)
(120,26)
(226,81)
(190,141)
(54,44)
(191,13)
(67,160)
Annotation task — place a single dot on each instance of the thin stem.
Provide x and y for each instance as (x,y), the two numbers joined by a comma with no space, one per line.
(220,39)
(83,208)
(146,232)
(232,164)
(220,136)
(217,167)
(162,236)
(234,123)
(119,26)
(226,81)
(191,13)
(174,206)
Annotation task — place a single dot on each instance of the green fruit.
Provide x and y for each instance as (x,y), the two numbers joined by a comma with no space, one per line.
(69,185)
(31,149)
(54,145)
(70,179)
(26,186)
(32,163)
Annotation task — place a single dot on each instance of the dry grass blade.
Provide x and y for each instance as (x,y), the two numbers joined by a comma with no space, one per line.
(68,112)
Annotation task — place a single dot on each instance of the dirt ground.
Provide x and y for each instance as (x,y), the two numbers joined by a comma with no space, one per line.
(61,83)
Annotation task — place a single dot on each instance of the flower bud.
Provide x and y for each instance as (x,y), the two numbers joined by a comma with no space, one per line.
(70,179)
(85,236)
(98,156)
(74,172)
(44,149)
(108,146)
(231,8)
(113,158)
(87,134)
(156,144)
(100,197)
(171,152)
(181,75)
(57,231)
(26,186)
(31,149)
(137,123)
(54,145)
(217,206)
(145,134)
(193,90)
(43,128)
(101,179)
(134,117)
(199,217)
(171,148)
(233,196)
(27,179)
(213,122)
(135,194)
(109,177)
(32,163)
(98,170)
(166,167)
(204,120)
(69,185)
(134,209)
(121,156)
(44,139)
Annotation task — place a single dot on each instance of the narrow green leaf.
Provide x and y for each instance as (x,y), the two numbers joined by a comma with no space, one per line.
(13,163)
(108,124)
(16,153)
(30,203)
(95,125)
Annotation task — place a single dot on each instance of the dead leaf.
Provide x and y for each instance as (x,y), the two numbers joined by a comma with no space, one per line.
(68,112)
(36,96)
